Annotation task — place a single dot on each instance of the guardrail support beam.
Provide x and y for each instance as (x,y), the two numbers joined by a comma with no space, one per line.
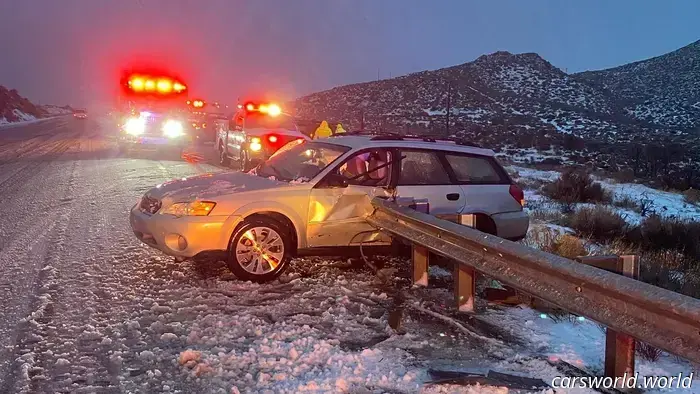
(619,347)
(421,260)
(465,288)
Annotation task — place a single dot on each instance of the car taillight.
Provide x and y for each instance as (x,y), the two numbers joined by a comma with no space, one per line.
(517,194)
(272,138)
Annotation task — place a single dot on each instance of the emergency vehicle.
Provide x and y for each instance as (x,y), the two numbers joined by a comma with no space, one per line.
(153,113)
(256,132)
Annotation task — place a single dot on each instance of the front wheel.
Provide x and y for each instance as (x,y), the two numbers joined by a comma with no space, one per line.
(259,250)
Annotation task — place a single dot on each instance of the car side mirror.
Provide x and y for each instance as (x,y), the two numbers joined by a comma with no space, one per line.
(335,180)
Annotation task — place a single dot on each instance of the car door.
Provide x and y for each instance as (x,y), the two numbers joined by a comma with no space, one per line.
(422,175)
(337,212)
(235,136)
(484,183)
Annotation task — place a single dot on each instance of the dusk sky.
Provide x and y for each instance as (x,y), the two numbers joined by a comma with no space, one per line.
(71,51)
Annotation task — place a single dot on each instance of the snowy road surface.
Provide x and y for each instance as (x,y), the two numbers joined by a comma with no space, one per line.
(87,308)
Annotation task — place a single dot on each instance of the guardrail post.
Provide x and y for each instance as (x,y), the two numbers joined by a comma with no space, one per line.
(465,287)
(421,259)
(619,347)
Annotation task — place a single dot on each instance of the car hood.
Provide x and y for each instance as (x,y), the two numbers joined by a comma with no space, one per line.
(211,186)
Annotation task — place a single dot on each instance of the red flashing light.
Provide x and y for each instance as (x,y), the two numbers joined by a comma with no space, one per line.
(250,107)
(155,84)
(164,86)
(272,138)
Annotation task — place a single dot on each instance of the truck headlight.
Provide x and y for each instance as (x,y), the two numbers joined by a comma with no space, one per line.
(173,129)
(135,126)
(194,208)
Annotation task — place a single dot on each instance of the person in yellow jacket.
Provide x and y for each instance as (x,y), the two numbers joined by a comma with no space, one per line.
(323,131)
(339,129)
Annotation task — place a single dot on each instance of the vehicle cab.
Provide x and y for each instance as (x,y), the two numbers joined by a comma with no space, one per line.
(256,132)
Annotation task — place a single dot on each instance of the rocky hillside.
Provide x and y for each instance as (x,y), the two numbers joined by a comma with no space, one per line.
(663,90)
(14,108)
(520,101)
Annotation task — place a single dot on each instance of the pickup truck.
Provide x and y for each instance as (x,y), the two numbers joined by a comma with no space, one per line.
(254,134)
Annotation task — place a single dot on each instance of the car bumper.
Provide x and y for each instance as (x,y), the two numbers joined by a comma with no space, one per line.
(181,236)
(512,225)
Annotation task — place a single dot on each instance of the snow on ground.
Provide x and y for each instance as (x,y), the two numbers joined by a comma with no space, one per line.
(664,203)
(667,204)
(24,120)
(576,340)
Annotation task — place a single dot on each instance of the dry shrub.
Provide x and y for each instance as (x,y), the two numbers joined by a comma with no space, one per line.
(545,215)
(658,233)
(574,186)
(624,176)
(647,352)
(550,241)
(627,202)
(692,196)
(569,246)
(598,222)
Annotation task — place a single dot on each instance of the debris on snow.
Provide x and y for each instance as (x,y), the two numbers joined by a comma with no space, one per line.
(189,355)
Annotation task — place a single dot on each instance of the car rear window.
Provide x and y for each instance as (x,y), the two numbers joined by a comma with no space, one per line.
(475,169)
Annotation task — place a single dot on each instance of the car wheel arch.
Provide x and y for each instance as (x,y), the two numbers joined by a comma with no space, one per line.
(484,222)
(278,213)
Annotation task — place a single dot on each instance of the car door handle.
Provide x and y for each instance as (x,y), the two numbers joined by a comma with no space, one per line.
(453,196)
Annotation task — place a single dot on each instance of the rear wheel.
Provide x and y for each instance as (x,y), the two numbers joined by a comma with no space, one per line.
(259,250)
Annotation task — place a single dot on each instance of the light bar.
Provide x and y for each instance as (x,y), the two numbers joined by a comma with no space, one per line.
(160,84)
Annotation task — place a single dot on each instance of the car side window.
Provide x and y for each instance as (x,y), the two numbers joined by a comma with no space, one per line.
(367,168)
(474,169)
(422,168)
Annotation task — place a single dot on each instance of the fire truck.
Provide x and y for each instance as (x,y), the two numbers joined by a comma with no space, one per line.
(257,130)
(153,113)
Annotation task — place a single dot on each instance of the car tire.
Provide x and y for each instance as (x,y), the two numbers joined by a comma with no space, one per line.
(248,265)
(224,160)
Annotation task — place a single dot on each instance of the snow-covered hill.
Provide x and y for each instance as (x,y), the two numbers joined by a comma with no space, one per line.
(15,108)
(509,102)
(55,110)
(664,90)
(512,94)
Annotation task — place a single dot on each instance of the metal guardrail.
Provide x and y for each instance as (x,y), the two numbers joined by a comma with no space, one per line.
(659,317)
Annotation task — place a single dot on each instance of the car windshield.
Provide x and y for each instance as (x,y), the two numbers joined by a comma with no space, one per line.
(300,161)
(256,120)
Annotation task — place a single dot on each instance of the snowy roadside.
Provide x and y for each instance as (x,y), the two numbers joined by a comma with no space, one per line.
(666,204)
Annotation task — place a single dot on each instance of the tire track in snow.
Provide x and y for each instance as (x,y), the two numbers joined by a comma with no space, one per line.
(92,295)
(31,218)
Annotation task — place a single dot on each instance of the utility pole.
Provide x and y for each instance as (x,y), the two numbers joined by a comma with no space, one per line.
(449,109)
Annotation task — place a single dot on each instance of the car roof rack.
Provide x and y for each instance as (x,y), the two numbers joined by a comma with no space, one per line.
(398,137)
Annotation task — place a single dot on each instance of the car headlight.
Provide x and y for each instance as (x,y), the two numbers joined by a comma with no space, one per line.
(135,126)
(194,208)
(173,129)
